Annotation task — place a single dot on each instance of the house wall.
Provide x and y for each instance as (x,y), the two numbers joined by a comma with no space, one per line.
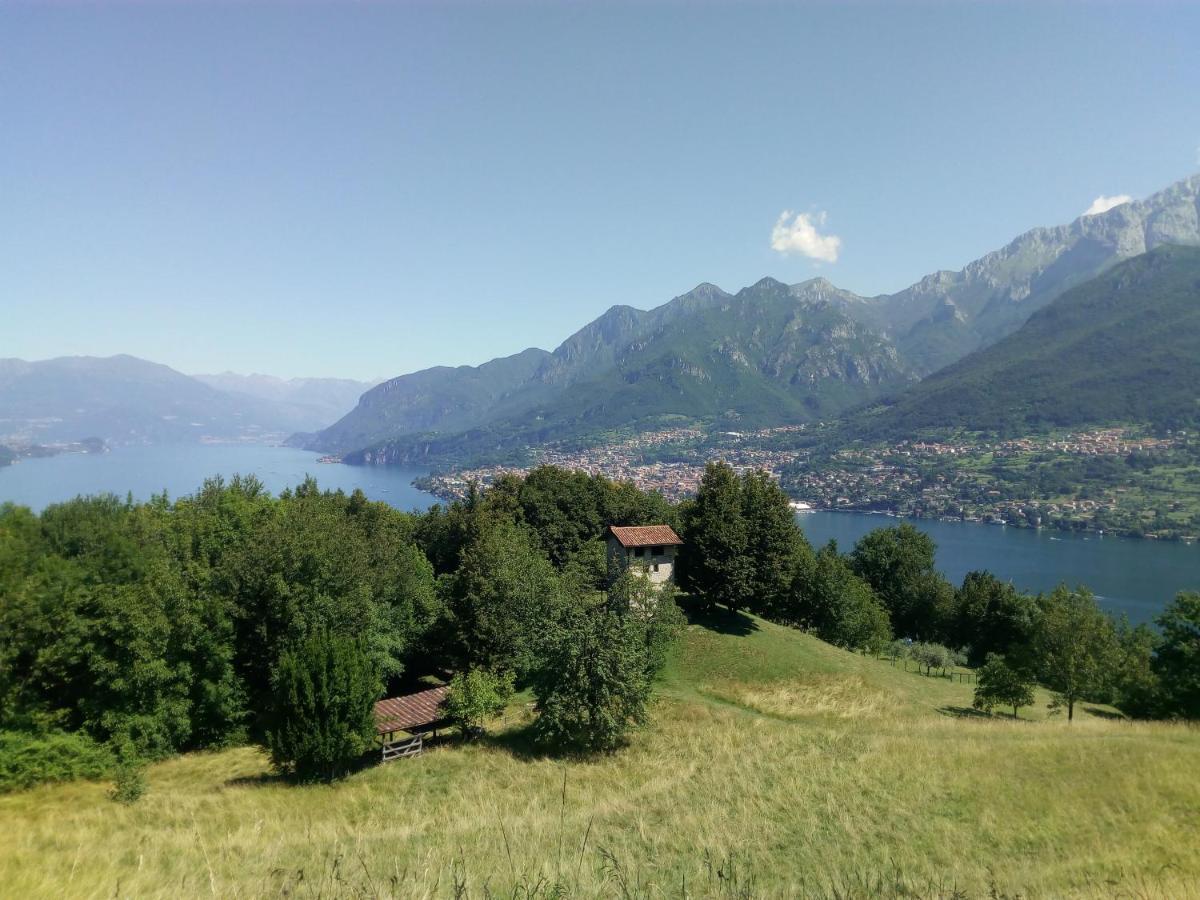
(659,568)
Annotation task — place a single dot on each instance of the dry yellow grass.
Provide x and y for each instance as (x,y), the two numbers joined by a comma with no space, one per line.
(775,766)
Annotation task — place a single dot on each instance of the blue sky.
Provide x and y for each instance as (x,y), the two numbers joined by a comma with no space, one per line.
(367,190)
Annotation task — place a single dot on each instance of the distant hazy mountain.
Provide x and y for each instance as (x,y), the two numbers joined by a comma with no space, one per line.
(308,403)
(769,354)
(123,400)
(1124,347)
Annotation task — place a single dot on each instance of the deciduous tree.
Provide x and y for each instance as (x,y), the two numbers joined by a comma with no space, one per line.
(1074,645)
(999,684)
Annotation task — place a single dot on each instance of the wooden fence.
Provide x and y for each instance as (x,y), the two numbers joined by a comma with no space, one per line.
(402,747)
(961,677)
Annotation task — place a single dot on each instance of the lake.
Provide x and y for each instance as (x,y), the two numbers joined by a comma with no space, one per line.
(1135,577)
(180,469)
(1128,575)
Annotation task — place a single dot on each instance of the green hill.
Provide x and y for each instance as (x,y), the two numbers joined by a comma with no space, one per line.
(1119,348)
(774,765)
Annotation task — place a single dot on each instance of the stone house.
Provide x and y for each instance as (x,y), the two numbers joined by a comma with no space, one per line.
(650,548)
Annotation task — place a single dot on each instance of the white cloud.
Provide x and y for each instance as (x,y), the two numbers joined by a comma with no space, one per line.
(1103,204)
(802,236)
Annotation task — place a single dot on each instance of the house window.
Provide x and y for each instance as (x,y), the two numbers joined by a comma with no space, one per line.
(656,551)
(640,551)
(656,567)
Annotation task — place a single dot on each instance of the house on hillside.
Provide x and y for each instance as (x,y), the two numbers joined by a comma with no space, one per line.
(650,548)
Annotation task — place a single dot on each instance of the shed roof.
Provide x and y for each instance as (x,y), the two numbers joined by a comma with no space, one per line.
(411,711)
(645,535)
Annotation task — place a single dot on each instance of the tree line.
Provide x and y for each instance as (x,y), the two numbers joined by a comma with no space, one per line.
(743,550)
(130,631)
(232,616)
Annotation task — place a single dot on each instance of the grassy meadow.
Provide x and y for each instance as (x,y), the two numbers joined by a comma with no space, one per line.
(774,765)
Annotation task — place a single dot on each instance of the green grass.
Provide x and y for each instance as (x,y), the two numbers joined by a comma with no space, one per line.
(775,765)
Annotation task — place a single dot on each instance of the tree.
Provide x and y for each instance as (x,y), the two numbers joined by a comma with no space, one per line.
(655,607)
(838,605)
(1177,662)
(1137,689)
(999,684)
(1074,646)
(898,563)
(774,544)
(931,655)
(596,676)
(503,599)
(321,718)
(476,696)
(714,562)
(563,509)
(991,616)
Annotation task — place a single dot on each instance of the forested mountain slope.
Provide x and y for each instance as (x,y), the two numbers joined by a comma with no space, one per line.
(764,355)
(1124,347)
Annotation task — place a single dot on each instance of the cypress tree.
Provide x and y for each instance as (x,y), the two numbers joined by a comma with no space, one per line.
(323,694)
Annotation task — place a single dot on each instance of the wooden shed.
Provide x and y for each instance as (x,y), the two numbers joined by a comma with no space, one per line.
(403,722)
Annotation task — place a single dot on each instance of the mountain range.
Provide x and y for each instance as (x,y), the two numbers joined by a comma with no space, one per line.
(125,400)
(1123,347)
(1004,343)
(769,354)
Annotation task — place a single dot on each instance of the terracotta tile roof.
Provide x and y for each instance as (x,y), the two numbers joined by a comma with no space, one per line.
(646,535)
(410,711)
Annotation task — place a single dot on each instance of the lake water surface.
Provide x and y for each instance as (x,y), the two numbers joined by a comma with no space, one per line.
(1128,575)
(180,469)
(1135,577)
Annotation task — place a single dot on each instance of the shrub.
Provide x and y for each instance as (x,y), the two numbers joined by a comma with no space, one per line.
(31,759)
(129,783)
(475,697)
(322,718)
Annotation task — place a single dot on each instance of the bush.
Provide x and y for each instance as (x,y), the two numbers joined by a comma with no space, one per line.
(322,716)
(31,759)
(129,783)
(475,697)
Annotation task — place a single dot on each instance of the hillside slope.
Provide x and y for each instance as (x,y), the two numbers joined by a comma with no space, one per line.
(126,400)
(793,768)
(1124,347)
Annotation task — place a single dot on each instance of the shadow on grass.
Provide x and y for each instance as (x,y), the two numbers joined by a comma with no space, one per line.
(1104,713)
(720,620)
(262,779)
(368,760)
(964,712)
(522,743)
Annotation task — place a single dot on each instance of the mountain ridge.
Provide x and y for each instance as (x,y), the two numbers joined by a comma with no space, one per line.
(1119,348)
(915,332)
